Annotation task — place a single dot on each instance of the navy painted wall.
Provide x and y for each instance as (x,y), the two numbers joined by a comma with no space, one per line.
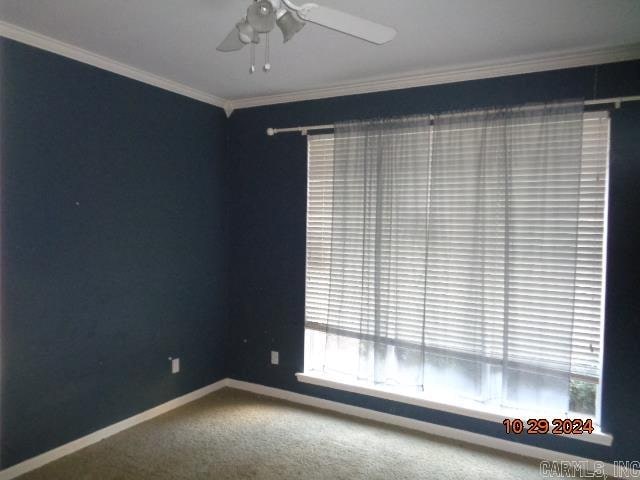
(113,246)
(267,214)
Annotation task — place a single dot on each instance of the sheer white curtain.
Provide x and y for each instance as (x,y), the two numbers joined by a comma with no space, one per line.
(375,310)
(453,253)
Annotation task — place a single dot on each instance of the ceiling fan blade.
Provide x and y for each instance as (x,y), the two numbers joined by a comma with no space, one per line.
(346,23)
(231,43)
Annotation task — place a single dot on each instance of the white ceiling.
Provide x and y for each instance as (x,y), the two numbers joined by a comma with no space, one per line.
(176,39)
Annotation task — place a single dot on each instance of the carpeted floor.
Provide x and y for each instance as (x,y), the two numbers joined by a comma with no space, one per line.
(234,435)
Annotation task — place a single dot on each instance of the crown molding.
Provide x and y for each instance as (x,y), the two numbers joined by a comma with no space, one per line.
(513,66)
(228,107)
(422,78)
(49,44)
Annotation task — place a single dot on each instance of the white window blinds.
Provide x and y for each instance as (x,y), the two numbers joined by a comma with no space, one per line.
(523,294)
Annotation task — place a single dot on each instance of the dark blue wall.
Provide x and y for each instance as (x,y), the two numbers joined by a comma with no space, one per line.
(113,246)
(268,180)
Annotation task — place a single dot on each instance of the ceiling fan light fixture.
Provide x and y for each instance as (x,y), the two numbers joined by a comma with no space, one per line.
(261,16)
(246,33)
(288,24)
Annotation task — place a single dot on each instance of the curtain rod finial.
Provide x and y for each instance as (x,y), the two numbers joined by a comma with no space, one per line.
(271,132)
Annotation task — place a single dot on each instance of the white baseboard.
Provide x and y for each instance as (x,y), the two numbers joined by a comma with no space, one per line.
(71,447)
(412,424)
(431,428)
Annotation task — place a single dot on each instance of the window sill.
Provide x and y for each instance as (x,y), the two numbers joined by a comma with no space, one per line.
(597,437)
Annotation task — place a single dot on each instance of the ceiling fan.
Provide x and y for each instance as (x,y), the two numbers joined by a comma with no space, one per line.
(264,15)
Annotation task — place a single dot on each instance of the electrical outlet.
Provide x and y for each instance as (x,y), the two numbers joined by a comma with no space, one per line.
(175,365)
(275,357)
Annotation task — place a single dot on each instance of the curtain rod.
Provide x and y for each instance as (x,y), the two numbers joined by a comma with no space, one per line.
(617,101)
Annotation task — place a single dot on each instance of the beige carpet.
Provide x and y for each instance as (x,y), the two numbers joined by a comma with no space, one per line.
(232,435)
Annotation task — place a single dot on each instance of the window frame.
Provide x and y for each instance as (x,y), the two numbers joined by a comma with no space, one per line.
(464,408)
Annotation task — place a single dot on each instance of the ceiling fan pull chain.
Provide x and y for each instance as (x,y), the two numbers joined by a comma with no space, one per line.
(267,64)
(252,49)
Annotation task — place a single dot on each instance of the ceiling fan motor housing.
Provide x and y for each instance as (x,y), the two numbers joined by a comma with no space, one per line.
(261,15)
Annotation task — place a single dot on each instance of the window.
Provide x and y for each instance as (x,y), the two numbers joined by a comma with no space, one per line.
(452,372)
